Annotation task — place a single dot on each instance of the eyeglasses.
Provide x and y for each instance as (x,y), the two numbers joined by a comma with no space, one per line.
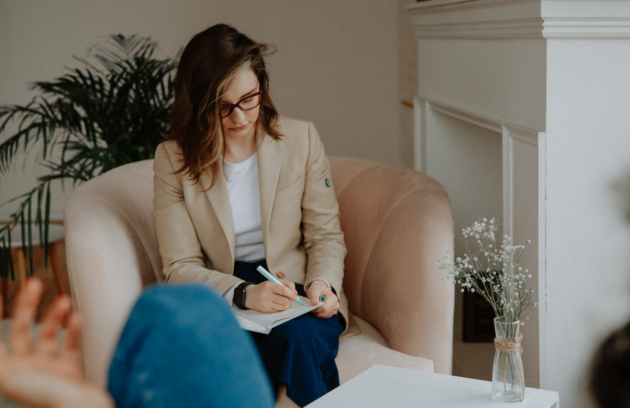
(247,103)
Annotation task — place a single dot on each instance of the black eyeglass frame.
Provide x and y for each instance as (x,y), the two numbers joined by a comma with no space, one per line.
(238,104)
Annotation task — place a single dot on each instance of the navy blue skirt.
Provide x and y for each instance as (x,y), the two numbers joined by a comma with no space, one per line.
(301,352)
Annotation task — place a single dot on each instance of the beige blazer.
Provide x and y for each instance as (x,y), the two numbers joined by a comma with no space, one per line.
(299,213)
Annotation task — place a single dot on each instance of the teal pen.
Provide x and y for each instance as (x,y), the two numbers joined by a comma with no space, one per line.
(272,278)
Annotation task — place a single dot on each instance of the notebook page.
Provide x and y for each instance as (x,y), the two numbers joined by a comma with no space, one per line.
(251,326)
(263,322)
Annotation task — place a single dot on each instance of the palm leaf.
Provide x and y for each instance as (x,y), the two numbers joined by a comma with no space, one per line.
(109,111)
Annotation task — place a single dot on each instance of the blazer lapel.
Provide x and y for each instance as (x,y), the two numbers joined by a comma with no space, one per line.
(269,164)
(220,202)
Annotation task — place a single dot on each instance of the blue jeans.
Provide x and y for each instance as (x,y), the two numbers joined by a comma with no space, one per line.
(182,347)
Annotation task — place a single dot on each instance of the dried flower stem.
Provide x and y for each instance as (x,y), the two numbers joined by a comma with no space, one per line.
(492,271)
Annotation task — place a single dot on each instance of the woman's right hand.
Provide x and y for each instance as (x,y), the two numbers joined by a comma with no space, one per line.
(269,297)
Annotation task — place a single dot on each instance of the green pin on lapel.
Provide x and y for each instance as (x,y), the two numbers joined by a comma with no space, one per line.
(327,183)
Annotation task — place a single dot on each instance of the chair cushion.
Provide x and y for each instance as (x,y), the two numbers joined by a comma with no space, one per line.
(358,353)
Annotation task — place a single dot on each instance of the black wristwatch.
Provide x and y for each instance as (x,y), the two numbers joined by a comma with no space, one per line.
(239,295)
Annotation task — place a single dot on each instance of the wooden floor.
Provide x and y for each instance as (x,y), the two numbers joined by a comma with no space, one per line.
(45,274)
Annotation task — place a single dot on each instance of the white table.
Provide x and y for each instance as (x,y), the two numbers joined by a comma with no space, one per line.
(382,386)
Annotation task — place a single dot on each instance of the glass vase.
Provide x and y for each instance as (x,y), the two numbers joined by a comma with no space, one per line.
(508,380)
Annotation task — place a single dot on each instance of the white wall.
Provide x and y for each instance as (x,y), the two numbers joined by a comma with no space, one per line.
(408,77)
(337,63)
(588,235)
(497,78)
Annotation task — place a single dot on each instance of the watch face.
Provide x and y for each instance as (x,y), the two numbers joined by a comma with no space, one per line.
(238,296)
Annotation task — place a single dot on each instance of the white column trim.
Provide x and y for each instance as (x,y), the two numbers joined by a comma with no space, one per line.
(419,135)
(525,19)
(526,28)
(508,183)
(585,28)
(522,133)
(512,134)
(542,260)
(475,118)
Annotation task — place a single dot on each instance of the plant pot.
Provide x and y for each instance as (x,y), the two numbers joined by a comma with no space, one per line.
(508,380)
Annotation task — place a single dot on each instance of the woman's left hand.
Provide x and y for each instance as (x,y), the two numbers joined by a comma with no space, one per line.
(331,304)
(36,373)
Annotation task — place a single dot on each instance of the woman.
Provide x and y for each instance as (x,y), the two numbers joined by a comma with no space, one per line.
(236,187)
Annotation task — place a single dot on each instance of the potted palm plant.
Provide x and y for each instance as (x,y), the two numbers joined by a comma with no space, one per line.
(108,112)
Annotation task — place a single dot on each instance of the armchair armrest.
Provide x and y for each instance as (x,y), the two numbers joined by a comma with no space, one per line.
(402,293)
(107,258)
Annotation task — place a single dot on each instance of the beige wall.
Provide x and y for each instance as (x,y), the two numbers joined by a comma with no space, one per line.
(408,78)
(337,63)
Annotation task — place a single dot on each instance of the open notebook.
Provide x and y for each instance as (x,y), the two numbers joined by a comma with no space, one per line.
(255,321)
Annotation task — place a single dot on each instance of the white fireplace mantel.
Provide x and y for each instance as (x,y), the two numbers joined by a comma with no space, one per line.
(522,111)
(510,19)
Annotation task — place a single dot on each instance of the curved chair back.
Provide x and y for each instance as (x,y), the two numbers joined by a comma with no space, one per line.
(112,254)
(396,223)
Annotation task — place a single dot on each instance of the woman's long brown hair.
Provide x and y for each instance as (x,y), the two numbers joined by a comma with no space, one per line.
(209,62)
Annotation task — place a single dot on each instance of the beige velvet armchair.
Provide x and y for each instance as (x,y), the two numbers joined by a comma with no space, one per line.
(396,222)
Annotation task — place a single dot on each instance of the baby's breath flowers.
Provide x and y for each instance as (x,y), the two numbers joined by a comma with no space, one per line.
(492,271)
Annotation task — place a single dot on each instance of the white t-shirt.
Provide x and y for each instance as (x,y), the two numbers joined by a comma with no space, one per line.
(244,192)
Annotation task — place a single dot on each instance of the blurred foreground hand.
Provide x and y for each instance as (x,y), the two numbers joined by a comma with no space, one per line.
(39,373)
